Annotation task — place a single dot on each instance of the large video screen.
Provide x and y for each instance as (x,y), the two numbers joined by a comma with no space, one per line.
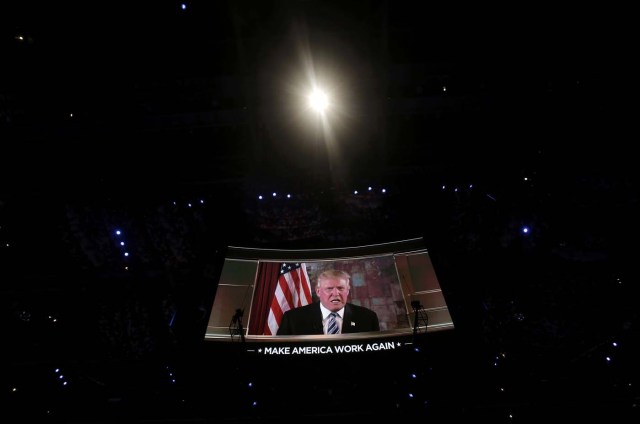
(326,300)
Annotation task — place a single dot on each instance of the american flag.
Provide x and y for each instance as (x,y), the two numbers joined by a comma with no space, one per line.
(293,290)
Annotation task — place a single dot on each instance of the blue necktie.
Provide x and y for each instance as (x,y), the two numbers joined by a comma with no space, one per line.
(332,327)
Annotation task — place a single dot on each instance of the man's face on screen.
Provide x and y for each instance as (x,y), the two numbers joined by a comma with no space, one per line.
(333,293)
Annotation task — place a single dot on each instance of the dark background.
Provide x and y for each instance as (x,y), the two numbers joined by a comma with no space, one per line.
(168,123)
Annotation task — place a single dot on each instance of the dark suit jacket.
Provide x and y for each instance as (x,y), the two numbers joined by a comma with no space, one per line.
(308,320)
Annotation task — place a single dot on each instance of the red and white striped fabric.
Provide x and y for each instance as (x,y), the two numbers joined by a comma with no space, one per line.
(293,290)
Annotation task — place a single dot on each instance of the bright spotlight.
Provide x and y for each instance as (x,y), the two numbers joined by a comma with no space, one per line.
(318,100)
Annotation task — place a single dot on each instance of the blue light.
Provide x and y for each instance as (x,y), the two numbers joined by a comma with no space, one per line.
(260,197)
(118,232)
(121,243)
(183,6)
(384,190)
(369,188)
(126,253)
(525,230)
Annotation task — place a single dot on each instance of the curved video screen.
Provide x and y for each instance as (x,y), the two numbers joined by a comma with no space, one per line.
(326,300)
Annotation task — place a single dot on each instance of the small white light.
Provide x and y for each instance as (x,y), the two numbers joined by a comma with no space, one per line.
(121,243)
(318,100)
(126,253)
